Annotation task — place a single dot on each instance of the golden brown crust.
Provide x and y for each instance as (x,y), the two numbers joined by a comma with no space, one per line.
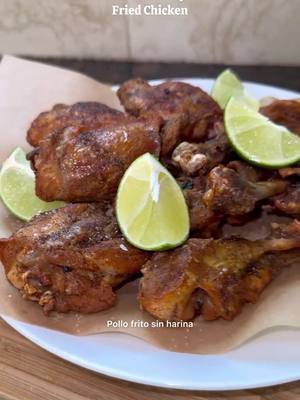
(78,165)
(187,112)
(284,112)
(214,278)
(289,202)
(90,115)
(229,192)
(70,259)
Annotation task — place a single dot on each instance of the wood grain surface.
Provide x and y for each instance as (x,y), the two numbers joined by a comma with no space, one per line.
(30,373)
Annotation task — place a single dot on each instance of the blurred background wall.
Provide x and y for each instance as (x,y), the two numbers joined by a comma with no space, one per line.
(215,31)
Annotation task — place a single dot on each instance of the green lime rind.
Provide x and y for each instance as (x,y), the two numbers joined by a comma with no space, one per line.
(150,207)
(258,140)
(228,85)
(17,188)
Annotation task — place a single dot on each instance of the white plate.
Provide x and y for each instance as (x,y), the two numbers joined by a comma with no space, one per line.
(269,359)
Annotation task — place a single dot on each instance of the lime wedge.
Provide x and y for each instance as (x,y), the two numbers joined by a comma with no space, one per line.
(257,139)
(228,85)
(151,210)
(17,188)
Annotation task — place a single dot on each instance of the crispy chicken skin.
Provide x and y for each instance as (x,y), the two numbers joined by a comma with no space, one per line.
(202,220)
(284,112)
(214,278)
(226,194)
(187,112)
(70,259)
(289,201)
(79,165)
(288,172)
(84,114)
(229,192)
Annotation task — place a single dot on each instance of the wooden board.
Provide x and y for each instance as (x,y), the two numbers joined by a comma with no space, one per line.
(30,373)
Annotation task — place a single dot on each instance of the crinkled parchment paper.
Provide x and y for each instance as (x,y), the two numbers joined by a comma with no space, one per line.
(26,89)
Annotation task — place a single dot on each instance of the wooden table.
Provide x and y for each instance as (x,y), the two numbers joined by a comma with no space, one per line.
(30,373)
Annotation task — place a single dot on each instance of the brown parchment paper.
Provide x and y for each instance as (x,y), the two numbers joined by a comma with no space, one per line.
(26,89)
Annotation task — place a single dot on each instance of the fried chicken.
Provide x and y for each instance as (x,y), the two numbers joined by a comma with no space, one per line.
(79,165)
(289,172)
(231,193)
(214,278)
(225,194)
(286,231)
(187,112)
(289,201)
(90,115)
(284,112)
(70,259)
(199,158)
(202,219)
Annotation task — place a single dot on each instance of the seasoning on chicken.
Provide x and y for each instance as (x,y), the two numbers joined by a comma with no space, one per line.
(289,201)
(70,259)
(200,158)
(90,115)
(79,165)
(202,219)
(187,112)
(284,112)
(214,278)
(230,193)
(286,231)
(289,172)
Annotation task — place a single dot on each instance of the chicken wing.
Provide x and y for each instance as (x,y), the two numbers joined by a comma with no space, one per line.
(289,201)
(187,112)
(231,193)
(78,165)
(70,259)
(90,115)
(289,172)
(214,278)
(284,112)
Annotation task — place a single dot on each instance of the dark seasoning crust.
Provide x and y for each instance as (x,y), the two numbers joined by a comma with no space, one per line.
(75,258)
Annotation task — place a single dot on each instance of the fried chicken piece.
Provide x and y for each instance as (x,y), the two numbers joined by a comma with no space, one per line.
(284,112)
(200,158)
(245,171)
(230,193)
(70,259)
(90,115)
(187,112)
(286,231)
(289,201)
(287,172)
(202,219)
(78,165)
(214,278)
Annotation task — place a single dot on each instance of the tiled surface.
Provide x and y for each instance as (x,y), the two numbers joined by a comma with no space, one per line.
(82,28)
(215,31)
